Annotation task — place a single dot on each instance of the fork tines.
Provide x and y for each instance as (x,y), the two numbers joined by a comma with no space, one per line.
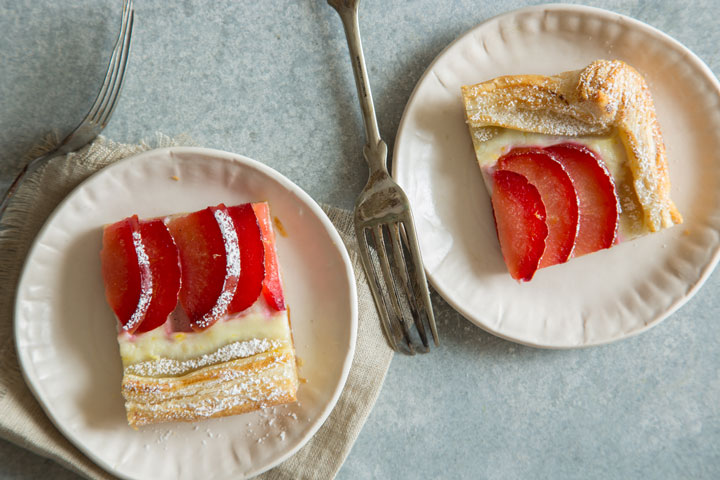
(398,285)
(110,91)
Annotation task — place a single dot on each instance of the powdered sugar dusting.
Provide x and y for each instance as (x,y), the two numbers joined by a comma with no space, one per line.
(232,267)
(146,284)
(170,367)
(544,107)
(229,390)
(269,424)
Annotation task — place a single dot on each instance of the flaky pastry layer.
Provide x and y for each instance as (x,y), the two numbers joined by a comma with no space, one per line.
(226,388)
(603,98)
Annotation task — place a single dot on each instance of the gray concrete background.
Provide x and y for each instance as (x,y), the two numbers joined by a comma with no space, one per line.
(272,80)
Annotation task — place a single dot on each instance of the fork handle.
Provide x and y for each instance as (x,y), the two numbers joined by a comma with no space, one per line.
(32,165)
(375,151)
(11,190)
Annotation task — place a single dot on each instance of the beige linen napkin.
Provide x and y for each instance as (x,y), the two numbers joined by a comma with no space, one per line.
(23,421)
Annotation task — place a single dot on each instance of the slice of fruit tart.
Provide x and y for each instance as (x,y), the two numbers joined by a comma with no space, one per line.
(574,162)
(203,327)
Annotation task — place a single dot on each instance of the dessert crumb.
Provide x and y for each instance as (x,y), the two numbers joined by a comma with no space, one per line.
(175,177)
(280,227)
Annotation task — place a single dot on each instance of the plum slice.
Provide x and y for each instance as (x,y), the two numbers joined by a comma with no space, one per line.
(141,270)
(272,284)
(126,272)
(557,193)
(210,263)
(520,221)
(252,257)
(599,209)
(164,259)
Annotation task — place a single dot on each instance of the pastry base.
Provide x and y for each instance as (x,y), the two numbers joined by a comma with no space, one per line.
(228,388)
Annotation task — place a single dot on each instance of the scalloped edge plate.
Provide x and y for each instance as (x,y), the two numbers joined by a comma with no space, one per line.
(66,338)
(591,300)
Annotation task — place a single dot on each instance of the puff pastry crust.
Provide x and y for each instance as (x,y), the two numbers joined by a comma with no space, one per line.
(224,388)
(604,98)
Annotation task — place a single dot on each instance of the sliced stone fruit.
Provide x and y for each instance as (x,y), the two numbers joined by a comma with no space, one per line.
(252,257)
(210,263)
(272,284)
(520,221)
(128,284)
(164,259)
(599,209)
(557,193)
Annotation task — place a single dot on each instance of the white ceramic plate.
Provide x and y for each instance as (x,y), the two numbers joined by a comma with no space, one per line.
(594,299)
(65,332)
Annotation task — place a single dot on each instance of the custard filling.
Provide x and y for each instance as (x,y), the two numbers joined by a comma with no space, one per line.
(254,331)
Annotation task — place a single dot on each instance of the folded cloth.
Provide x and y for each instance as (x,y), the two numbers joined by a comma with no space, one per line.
(22,420)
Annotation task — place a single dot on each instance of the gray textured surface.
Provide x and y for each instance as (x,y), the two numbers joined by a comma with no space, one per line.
(272,80)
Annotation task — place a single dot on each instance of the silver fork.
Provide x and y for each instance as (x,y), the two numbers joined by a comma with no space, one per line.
(384,224)
(99,114)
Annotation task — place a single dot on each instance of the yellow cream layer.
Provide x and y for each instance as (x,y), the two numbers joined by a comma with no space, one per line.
(156,344)
(610,149)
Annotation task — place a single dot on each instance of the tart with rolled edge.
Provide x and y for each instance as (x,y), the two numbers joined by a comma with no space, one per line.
(574,162)
(203,327)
